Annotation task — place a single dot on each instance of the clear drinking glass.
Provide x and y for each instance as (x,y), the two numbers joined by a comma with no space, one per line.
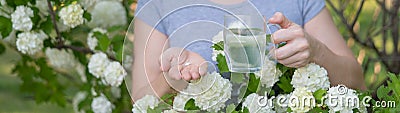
(244,42)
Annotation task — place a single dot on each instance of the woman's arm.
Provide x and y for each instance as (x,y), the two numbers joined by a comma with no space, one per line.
(148,46)
(318,42)
(333,53)
(158,70)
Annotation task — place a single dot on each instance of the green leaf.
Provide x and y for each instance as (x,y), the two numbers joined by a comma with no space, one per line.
(222,65)
(47,26)
(319,94)
(36,17)
(81,56)
(5,26)
(168,98)
(218,46)
(14,3)
(2,48)
(104,42)
(117,43)
(245,110)
(382,92)
(230,108)
(253,83)
(190,105)
(87,16)
(318,110)
(284,84)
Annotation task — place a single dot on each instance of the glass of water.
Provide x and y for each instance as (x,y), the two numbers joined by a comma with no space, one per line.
(244,42)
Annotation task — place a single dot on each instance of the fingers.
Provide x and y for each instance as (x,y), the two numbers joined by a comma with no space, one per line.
(298,64)
(283,35)
(194,72)
(175,72)
(185,73)
(280,19)
(203,68)
(300,56)
(291,49)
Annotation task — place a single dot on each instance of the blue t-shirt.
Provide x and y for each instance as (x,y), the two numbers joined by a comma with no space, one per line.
(191,24)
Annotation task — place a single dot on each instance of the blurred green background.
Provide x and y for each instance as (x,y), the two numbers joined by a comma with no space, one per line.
(13,100)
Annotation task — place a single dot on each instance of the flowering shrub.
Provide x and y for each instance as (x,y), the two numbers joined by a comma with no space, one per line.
(275,88)
(71,51)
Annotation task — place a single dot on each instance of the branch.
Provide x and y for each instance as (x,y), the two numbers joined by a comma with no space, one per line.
(368,43)
(60,43)
(53,18)
(382,5)
(76,48)
(82,50)
(358,13)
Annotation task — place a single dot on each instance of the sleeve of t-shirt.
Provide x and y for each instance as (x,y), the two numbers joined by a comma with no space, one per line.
(312,8)
(149,11)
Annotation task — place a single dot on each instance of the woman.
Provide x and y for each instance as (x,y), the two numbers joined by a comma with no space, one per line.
(161,67)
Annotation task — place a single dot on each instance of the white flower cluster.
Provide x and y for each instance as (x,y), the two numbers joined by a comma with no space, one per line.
(102,105)
(61,58)
(107,14)
(210,93)
(97,64)
(72,15)
(78,98)
(170,111)
(312,77)
(114,74)
(92,40)
(282,106)
(304,100)
(342,99)
(269,73)
(148,101)
(30,42)
(110,72)
(21,18)
(253,101)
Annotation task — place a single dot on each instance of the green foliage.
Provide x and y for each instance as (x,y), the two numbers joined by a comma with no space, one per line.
(14,3)
(253,84)
(5,26)
(222,64)
(118,42)
(36,72)
(168,98)
(230,108)
(190,105)
(47,26)
(87,16)
(318,95)
(218,46)
(391,92)
(284,84)
(2,48)
(104,41)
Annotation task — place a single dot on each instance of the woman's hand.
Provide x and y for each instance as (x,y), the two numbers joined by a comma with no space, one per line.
(179,64)
(299,48)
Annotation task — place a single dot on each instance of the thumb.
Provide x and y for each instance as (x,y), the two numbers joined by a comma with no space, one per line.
(280,19)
